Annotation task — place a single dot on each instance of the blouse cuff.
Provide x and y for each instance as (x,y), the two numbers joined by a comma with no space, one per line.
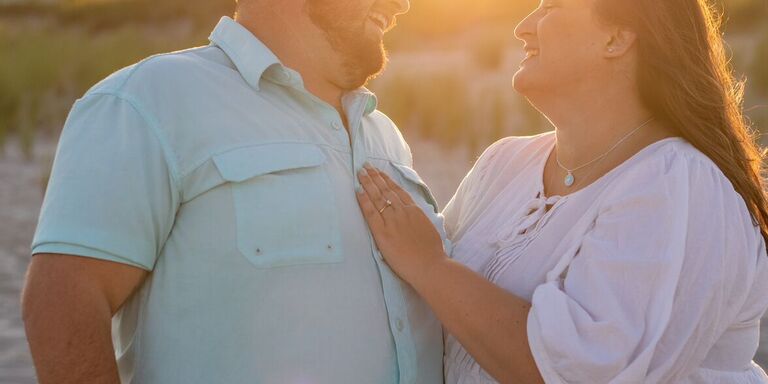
(538,350)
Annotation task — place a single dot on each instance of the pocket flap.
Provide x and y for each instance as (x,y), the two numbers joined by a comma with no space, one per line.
(411,175)
(243,163)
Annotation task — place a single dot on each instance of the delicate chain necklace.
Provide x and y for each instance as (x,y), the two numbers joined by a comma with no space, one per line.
(570,179)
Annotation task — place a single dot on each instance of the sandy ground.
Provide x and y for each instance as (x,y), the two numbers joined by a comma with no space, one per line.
(20,198)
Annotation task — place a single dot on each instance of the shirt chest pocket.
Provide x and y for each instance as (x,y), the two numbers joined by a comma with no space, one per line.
(284,204)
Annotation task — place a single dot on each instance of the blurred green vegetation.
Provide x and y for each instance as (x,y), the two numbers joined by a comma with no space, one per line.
(759,66)
(51,53)
(101,15)
(756,72)
(42,72)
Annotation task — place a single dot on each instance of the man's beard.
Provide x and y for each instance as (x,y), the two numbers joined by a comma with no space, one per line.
(362,54)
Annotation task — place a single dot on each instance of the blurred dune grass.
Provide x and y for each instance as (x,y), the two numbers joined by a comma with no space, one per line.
(449,78)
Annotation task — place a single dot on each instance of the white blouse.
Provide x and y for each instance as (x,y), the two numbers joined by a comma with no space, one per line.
(655,273)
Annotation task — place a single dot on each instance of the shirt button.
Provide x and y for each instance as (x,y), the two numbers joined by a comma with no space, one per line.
(336,125)
(399,324)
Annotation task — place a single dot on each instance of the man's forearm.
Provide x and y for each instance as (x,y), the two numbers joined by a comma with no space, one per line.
(68,326)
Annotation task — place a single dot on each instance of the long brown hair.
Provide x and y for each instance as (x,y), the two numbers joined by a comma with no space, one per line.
(685,79)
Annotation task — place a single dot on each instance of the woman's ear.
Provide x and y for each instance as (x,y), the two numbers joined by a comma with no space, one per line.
(619,43)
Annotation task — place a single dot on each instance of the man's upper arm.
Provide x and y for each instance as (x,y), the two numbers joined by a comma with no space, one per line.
(112,194)
(80,279)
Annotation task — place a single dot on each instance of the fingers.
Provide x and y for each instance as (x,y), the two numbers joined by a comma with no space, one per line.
(404,196)
(371,189)
(386,192)
(370,212)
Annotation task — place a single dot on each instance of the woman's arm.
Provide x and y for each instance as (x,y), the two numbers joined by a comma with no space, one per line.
(488,321)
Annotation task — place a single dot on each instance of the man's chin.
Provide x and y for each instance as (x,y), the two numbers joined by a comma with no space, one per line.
(364,65)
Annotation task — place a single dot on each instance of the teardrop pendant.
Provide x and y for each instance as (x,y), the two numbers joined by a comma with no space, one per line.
(569,179)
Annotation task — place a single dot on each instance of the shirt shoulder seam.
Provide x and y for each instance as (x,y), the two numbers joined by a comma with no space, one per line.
(154,127)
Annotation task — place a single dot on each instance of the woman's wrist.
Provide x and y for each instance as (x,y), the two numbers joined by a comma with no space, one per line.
(428,271)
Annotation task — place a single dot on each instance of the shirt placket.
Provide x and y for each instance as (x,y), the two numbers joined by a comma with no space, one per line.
(392,286)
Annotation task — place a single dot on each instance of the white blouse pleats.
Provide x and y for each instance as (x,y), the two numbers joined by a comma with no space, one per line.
(655,273)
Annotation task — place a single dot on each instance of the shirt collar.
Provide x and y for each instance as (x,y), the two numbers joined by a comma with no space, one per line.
(251,57)
(358,96)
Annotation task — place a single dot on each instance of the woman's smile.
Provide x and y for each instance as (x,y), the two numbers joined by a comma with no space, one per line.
(530,53)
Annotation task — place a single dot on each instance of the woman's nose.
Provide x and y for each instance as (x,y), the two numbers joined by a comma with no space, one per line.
(527,26)
(402,6)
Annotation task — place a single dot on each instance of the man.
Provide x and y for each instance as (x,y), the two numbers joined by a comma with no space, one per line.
(204,201)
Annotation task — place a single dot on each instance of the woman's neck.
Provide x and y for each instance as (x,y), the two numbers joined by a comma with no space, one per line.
(588,128)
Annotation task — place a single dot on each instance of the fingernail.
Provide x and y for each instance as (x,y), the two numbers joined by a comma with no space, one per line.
(362,172)
(358,188)
(368,165)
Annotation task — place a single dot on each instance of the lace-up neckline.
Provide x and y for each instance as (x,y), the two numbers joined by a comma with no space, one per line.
(513,238)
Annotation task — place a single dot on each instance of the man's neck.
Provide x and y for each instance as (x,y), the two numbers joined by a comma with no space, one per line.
(297,46)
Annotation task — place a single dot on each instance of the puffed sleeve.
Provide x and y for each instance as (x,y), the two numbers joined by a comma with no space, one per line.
(111,193)
(644,297)
(455,211)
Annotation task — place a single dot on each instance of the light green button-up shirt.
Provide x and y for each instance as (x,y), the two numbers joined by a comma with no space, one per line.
(216,170)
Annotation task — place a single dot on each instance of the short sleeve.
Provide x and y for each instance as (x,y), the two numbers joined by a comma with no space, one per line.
(111,194)
(634,278)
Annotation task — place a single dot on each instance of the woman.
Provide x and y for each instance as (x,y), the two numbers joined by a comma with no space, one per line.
(628,246)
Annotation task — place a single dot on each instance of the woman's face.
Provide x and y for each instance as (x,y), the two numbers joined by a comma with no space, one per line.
(565,47)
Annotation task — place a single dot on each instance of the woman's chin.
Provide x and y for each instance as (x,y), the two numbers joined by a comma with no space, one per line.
(523,82)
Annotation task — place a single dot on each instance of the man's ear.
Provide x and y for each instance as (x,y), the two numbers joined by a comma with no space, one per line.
(620,41)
